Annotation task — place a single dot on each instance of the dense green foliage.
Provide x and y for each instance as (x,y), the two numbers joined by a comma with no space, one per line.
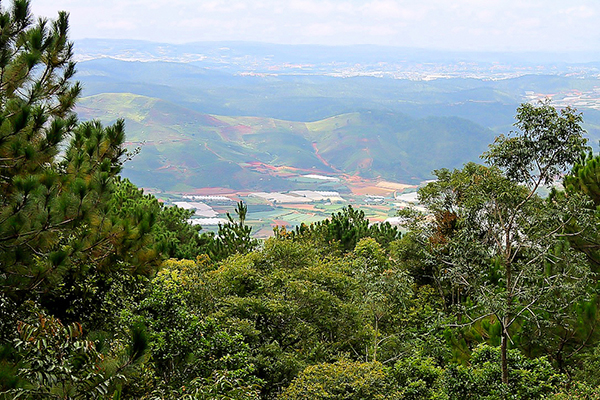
(106,293)
(422,378)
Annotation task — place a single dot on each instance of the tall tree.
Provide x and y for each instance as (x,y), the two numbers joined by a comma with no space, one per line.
(498,247)
(548,144)
(56,176)
(36,100)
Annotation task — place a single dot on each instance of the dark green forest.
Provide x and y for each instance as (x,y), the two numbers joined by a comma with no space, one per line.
(107,293)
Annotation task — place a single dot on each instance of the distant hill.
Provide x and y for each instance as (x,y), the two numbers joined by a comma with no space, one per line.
(183,149)
(234,51)
(299,97)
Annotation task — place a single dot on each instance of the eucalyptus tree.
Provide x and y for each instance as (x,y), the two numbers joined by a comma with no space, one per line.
(494,236)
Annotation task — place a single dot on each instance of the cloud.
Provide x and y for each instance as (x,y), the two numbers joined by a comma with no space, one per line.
(393,10)
(123,25)
(581,12)
(459,24)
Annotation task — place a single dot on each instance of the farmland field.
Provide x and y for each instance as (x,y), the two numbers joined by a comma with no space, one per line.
(378,200)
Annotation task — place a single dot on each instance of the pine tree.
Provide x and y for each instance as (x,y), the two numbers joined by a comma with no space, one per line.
(36,101)
(56,175)
(233,237)
(584,178)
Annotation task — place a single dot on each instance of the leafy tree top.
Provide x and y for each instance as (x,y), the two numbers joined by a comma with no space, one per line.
(547,143)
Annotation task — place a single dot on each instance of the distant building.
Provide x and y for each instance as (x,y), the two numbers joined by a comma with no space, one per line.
(280,197)
(201,209)
(408,197)
(207,221)
(322,177)
(210,199)
(334,197)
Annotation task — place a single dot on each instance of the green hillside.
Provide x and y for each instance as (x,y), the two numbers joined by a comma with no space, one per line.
(182,148)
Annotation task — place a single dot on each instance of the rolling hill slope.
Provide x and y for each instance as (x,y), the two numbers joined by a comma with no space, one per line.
(183,149)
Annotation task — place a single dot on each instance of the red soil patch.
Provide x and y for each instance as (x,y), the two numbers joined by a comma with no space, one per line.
(373,190)
(366,163)
(264,233)
(302,206)
(314,145)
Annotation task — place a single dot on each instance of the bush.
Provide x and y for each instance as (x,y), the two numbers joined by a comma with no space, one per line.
(343,380)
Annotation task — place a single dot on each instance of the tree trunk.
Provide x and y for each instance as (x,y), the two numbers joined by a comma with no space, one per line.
(507,314)
(503,351)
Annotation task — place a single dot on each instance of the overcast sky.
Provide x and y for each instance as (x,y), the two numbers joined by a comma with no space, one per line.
(505,25)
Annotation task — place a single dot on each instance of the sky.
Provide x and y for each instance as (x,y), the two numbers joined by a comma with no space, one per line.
(480,25)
